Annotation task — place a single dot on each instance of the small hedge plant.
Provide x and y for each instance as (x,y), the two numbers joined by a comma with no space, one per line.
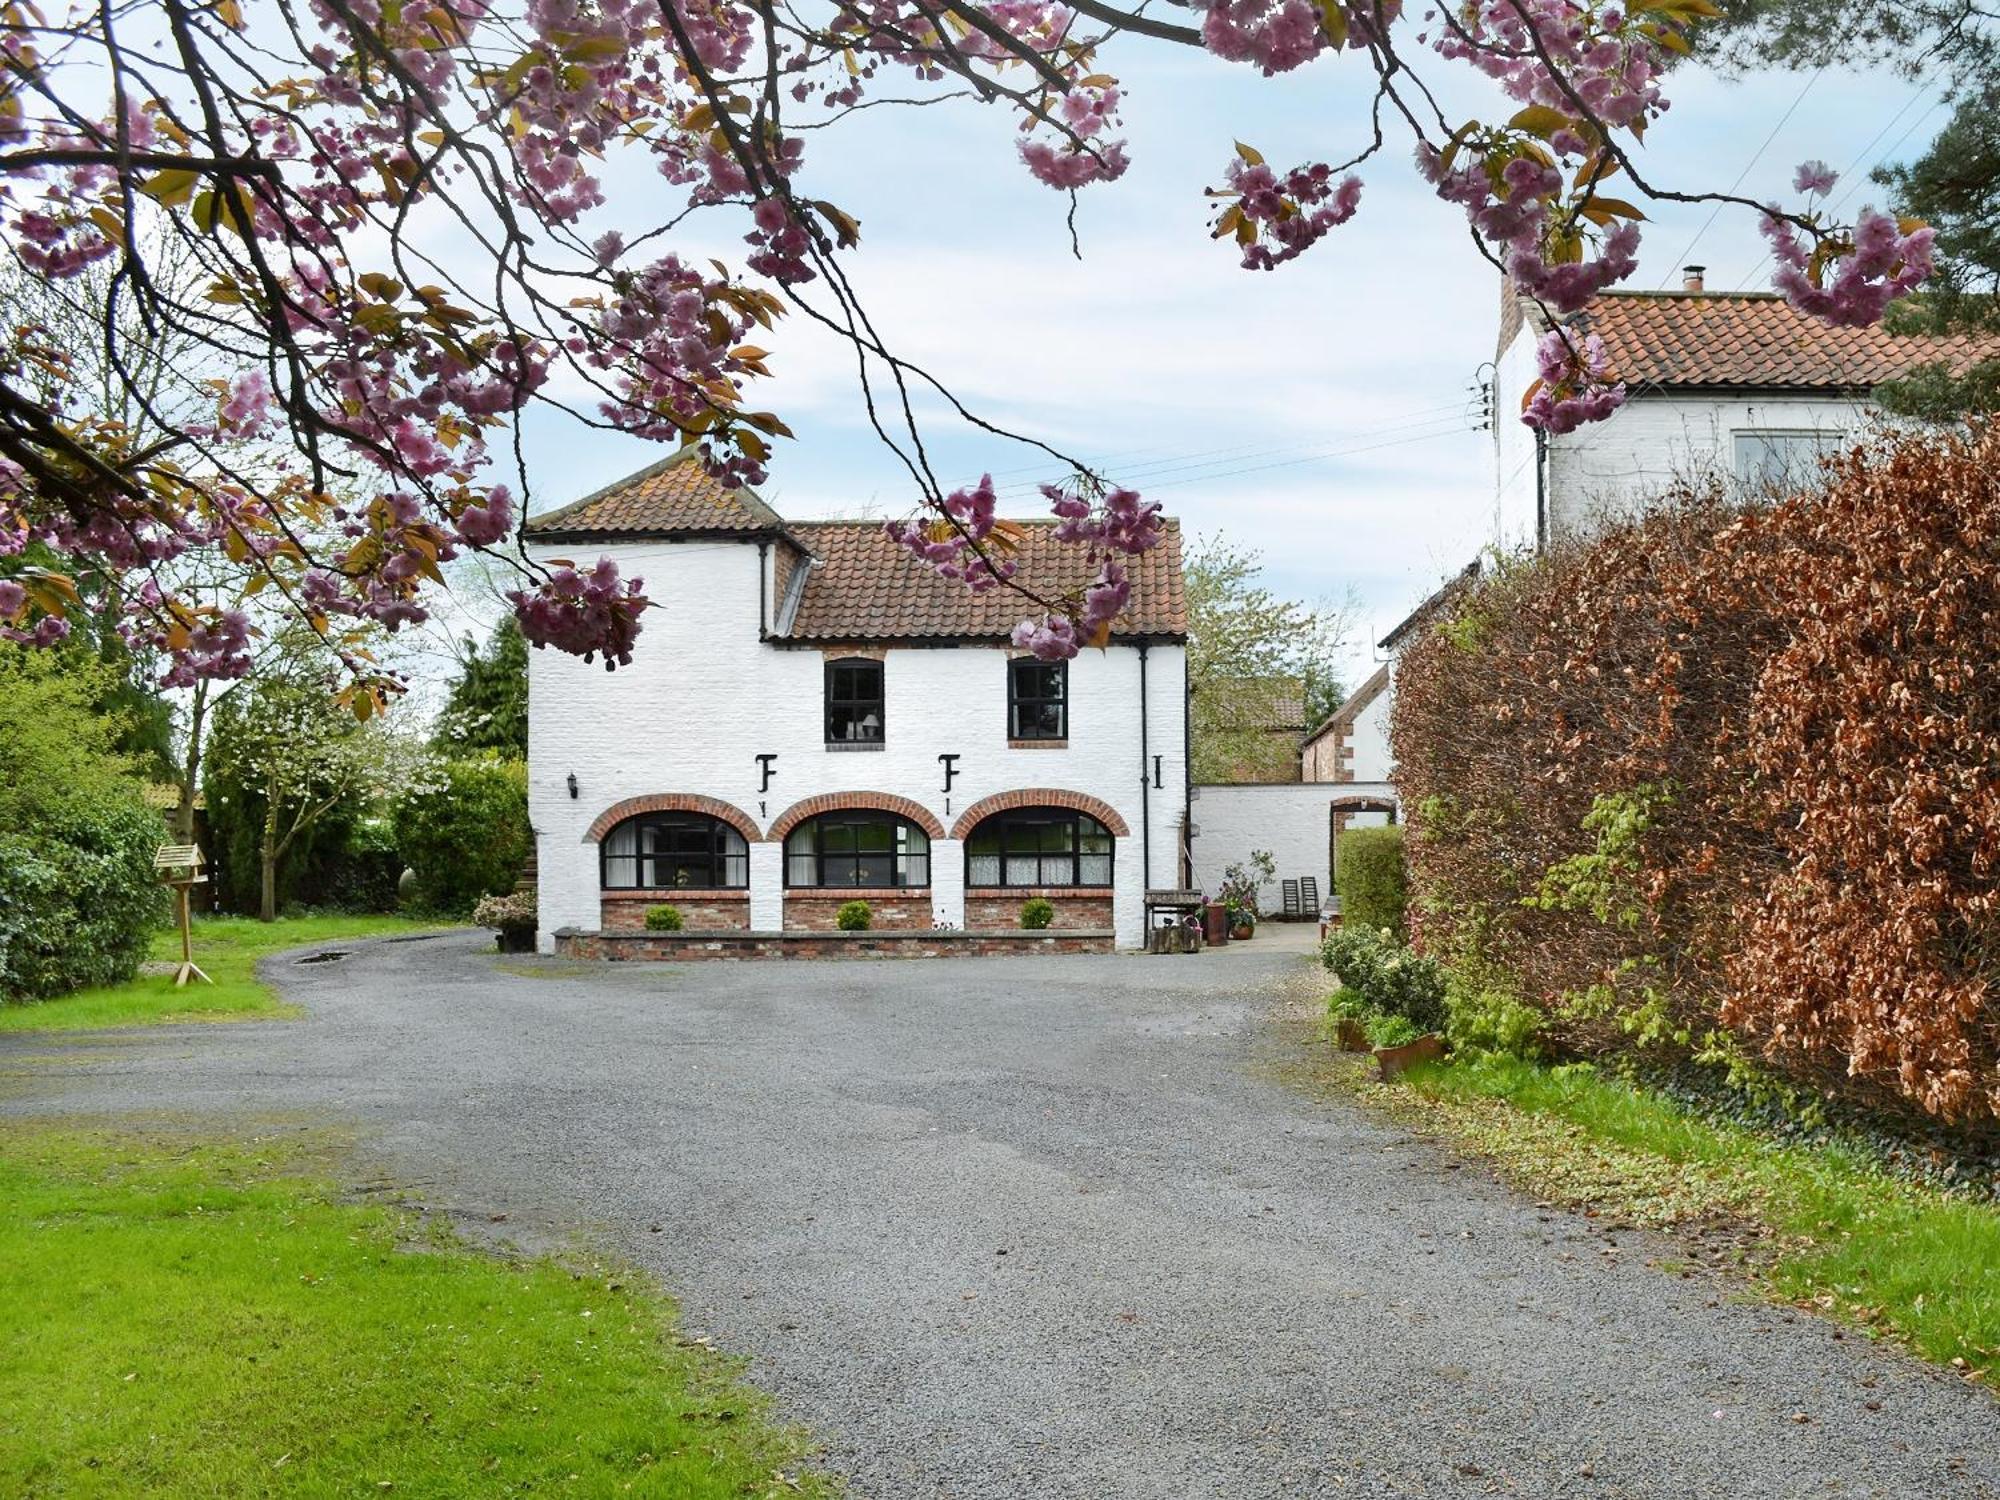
(1370,879)
(854,916)
(1380,977)
(1037,914)
(512,916)
(664,919)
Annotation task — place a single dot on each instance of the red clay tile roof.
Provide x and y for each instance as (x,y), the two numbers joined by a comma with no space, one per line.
(864,587)
(1753,339)
(1259,702)
(674,497)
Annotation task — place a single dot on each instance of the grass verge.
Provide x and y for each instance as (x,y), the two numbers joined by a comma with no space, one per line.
(189,1317)
(1819,1226)
(227,948)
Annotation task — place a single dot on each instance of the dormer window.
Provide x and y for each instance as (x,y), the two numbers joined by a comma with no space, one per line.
(853,703)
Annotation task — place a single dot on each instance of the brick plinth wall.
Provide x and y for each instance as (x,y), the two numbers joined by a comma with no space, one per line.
(994,908)
(625,911)
(891,909)
(681,947)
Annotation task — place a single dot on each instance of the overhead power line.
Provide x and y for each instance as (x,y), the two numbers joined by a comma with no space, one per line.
(1709,223)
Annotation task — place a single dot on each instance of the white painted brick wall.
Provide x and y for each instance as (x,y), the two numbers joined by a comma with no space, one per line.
(703,697)
(1370,738)
(1612,468)
(1294,822)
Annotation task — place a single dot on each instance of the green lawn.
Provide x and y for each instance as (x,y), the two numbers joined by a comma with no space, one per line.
(1831,1230)
(227,949)
(187,1317)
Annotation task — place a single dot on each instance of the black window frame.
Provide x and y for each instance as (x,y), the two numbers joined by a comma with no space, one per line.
(1017,700)
(849,861)
(719,857)
(1000,824)
(854,703)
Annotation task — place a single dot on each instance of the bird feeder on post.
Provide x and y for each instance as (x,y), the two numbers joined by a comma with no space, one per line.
(179,866)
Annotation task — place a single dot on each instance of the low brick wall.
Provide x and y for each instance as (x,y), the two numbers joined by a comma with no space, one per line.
(681,947)
(993,908)
(890,908)
(625,911)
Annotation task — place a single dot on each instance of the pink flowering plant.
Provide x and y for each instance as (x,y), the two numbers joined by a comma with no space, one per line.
(366,397)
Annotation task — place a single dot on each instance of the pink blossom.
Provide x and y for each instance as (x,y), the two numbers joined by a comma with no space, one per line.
(1814,177)
(483,525)
(1881,263)
(246,412)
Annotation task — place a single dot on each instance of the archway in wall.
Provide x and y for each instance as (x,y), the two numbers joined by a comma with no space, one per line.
(1341,812)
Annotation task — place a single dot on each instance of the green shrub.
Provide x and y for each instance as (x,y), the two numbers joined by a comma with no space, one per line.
(1383,976)
(1370,878)
(664,919)
(1037,914)
(514,916)
(1483,1012)
(1391,1031)
(468,836)
(78,898)
(854,916)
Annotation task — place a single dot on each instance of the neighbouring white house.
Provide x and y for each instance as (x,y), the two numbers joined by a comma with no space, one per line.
(812,717)
(1738,388)
(1734,388)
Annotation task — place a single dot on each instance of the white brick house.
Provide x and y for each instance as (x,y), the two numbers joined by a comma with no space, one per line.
(1731,387)
(1735,387)
(811,716)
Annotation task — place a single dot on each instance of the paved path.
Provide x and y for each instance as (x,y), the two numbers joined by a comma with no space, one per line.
(1056,1228)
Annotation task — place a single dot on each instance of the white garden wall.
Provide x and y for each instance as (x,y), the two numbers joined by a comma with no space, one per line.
(1293,821)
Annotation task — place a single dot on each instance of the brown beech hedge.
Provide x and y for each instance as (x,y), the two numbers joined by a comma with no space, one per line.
(1725,783)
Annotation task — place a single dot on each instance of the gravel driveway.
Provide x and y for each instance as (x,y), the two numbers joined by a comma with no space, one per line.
(1055,1227)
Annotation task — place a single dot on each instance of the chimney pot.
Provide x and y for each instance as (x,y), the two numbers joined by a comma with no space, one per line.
(1691,280)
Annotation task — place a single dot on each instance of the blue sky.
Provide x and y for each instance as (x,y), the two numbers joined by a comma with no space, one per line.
(1321,414)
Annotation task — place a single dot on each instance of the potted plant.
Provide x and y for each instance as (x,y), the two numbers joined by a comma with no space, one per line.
(854,916)
(664,919)
(1037,913)
(1240,884)
(513,917)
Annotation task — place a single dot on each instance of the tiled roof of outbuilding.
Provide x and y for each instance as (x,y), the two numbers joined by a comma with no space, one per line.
(1753,339)
(674,497)
(864,587)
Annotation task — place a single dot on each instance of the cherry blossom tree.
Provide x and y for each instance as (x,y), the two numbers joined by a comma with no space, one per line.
(296,148)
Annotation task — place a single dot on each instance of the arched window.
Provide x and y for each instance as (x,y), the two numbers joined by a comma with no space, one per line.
(859,848)
(1039,846)
(674,851)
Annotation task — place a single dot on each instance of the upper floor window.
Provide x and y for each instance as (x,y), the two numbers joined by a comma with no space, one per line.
(1039,846)
(672,851)
(854,702)
(1767,461)
(857,849)
(1037,699)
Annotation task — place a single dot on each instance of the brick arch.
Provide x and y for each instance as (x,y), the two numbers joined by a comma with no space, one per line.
(886,802)
(1364,804)
(1042,796)
(714,807)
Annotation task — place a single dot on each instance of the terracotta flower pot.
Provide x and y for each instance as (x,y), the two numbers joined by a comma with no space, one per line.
(1395,1061)
(1243,932)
